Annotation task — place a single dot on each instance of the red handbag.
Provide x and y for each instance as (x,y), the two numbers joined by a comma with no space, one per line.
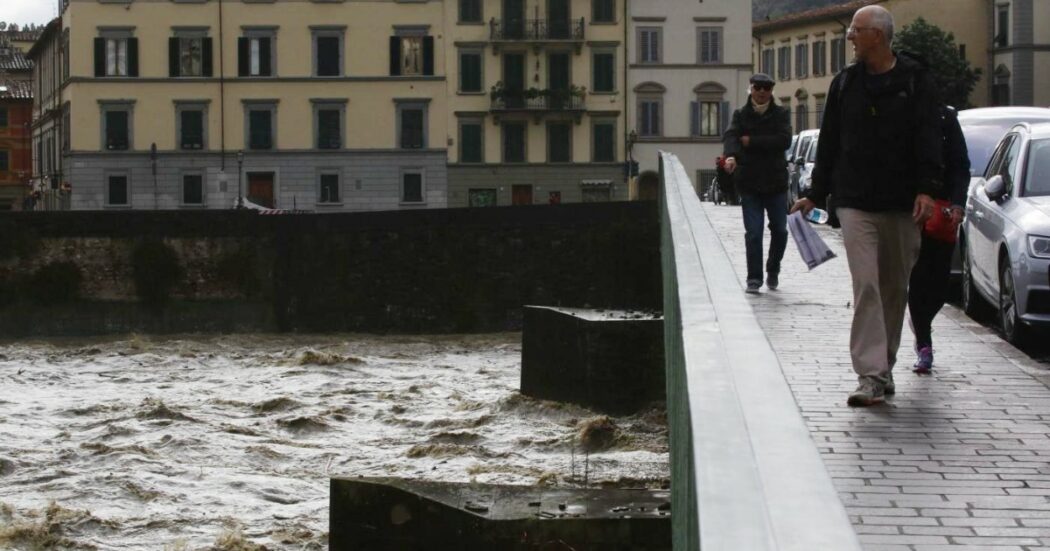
(939,226)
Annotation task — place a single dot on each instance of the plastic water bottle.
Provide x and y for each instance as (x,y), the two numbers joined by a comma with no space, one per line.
(818,216)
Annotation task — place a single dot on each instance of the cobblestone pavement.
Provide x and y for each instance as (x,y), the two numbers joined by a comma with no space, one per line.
(959,460)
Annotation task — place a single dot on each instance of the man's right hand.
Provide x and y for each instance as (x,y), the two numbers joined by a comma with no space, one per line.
(805,205)
(730,164)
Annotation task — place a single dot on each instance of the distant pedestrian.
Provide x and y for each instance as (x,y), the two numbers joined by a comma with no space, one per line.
(928,287)
(880,155)
(754,149)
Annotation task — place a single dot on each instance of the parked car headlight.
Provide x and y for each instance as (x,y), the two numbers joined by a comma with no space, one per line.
(1039,246)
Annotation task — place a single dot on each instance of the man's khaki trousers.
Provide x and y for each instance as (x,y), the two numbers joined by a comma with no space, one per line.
(881,248)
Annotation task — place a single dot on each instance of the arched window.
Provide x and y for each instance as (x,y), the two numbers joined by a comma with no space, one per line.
(650,108)
(709,114)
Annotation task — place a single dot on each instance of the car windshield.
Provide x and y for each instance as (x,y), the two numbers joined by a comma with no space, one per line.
(802,146)
(981,140)
(811,153)
(1037,174)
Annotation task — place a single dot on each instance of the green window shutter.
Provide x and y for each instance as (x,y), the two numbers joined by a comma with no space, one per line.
(428,55)
(604,150)
(116,130)
(327,56)
(412,129)
(206,55)
(395,55)
(603,73)
(260,129)
(470,144)
(559,143)
(192,129)
(173,56)
(470,76)
(133,57)
(100,57)
(328,134)
(243,56)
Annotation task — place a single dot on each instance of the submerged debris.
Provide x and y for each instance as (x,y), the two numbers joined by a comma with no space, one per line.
(303,424)
(314,357)
(234,540)
(50,531)
(597,433)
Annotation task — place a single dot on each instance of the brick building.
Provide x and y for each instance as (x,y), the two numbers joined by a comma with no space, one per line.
(16,110)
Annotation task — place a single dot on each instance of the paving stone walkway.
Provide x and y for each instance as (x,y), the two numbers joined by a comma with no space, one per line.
(959,460)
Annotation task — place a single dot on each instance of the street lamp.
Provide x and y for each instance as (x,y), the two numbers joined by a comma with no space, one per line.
(240,170)
(153,167)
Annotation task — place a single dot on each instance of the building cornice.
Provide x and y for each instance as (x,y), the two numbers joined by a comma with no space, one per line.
(1022,48)
(243,80)
(672,139)
(690,66)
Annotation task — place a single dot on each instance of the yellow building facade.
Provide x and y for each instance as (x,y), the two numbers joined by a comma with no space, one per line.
(535,101)
(804,51)
(319,105)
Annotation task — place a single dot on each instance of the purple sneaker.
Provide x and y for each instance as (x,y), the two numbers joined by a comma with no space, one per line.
(925,362)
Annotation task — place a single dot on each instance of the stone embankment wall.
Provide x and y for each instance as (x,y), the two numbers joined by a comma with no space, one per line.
(419,271)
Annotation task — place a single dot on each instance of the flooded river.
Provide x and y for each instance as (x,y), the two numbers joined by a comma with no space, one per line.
(228,442)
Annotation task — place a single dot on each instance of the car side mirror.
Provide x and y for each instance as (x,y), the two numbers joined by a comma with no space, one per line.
(995,188)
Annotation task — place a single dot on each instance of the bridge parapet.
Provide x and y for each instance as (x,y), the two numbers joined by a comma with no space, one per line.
(745,473)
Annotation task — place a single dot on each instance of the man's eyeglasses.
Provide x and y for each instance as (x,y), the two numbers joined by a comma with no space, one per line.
(855,30)
(762,86)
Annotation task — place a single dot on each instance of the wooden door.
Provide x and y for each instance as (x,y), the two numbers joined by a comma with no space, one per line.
(521,195)
(260,188)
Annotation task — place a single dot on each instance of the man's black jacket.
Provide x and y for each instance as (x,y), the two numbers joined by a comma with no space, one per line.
(879,145)
(761,166)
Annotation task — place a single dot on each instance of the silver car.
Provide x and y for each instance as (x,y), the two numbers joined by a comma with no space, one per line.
(1006,233)
(983,127)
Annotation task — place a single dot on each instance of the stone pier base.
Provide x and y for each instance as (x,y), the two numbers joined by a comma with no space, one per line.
(610,360)
(386,514)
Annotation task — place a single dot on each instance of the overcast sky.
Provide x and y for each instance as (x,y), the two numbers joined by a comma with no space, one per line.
(27,11)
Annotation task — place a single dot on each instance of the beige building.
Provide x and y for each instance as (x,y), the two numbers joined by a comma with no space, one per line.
(22,40)
(689,65)
(319,105)
(535,101)
(50,119)
(1019,62)
(804,51)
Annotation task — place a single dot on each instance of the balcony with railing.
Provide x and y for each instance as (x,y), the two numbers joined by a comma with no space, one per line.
(538,102)
(537,31)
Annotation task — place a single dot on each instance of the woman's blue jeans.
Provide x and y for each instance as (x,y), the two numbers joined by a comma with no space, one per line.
(755,208)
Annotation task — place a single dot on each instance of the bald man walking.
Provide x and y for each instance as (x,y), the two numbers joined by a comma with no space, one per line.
(880,158)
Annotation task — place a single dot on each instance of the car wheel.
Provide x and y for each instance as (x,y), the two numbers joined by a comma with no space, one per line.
(1014,330)
(972,303)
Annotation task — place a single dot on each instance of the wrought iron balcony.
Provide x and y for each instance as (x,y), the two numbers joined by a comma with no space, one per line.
(512,102)
(536,30)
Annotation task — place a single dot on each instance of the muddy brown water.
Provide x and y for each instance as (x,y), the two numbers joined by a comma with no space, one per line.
(228,442)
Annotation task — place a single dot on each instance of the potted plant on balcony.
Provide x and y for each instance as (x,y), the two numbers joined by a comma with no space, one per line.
(507,97)
(562,98)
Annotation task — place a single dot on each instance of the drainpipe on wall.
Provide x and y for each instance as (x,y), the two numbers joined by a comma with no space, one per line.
(626,99)
(222,98)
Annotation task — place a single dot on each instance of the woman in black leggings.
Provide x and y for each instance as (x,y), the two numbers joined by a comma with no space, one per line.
(928,288)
